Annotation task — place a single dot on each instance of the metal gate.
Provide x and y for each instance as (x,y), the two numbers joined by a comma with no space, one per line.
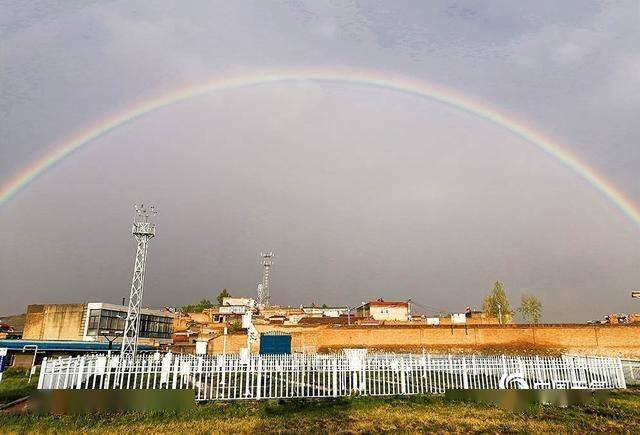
(275,343)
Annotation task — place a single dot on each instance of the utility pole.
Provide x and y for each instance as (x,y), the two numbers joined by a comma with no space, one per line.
(264,289)
(143,231)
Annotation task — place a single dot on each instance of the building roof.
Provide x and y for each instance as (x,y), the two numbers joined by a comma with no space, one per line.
(65,345)
(387,303)
(313,307)
(325,321)
(199,317)
(123,308)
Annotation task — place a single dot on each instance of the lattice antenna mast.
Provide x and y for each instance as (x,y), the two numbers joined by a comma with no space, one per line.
(143,230)
(264,289)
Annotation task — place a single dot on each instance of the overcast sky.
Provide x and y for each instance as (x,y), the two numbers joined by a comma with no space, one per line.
(361,192)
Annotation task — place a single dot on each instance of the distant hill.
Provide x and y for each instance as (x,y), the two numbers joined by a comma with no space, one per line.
(16,320)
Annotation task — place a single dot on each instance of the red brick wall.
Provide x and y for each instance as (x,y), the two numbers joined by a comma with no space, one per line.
(623,341)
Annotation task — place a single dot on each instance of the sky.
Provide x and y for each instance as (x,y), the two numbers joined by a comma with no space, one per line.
(361,192)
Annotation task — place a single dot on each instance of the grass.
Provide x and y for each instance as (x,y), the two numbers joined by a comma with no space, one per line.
(359,414)
(14,385)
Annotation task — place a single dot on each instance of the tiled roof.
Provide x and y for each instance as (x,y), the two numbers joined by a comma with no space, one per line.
(325,320)
(388,304)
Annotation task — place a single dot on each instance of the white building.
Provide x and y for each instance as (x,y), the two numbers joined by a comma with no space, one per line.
(109,319)
(245,302)
(325,311)
(385,310)
(233,309)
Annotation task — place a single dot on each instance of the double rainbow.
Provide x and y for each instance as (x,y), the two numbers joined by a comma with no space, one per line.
(387,81)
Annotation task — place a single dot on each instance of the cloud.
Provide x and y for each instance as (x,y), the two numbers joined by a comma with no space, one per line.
(361,192)
(328,30)
(623,86)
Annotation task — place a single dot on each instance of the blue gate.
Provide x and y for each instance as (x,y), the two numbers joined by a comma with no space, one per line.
(275,343)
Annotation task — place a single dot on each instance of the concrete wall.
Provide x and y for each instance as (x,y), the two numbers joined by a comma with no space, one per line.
(54,322)
(623,341)
(389,312)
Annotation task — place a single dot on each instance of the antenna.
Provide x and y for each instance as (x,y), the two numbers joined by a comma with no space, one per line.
(143,230)
(264,289)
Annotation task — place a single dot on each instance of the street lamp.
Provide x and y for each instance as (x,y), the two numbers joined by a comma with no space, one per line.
(362,304)
(110,337)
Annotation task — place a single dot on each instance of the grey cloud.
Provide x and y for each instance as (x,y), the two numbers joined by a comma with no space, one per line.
(362,193)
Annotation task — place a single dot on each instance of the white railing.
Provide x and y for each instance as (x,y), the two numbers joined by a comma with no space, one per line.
(631,370)
(223,377)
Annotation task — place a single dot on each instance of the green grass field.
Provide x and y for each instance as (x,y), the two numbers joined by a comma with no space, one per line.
(14,386)
(359,414)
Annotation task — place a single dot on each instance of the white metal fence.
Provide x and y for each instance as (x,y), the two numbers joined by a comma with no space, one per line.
(631,370)
(289,376)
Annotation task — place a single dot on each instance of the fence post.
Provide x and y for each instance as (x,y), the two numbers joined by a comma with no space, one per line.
(249,369)
(43,369)
(403,380)
(620,373)
(176,368)
(465,378)
(335,377)
(259,378)
(80,373)
(363,376)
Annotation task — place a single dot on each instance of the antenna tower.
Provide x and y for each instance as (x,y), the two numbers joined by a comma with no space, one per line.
(143,230)
(264,289)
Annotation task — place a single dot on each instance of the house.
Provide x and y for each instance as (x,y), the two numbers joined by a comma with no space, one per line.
(53,330)
(92,322)
(314,311)
(385,310)
(244,302)
(233,309)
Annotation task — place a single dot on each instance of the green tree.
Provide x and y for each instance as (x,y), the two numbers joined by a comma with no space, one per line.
(198,307)
(234,326)
(223,294)
(496,302)
(530,309)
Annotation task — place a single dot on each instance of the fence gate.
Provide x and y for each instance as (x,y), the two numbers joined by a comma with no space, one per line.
(275,343)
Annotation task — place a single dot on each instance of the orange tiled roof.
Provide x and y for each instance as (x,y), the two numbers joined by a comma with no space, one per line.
(388,304)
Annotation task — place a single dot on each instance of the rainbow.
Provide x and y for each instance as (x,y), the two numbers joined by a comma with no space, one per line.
(374,79)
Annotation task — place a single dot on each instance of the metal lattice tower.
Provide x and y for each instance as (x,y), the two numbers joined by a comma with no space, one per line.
(143,230)
(264,289)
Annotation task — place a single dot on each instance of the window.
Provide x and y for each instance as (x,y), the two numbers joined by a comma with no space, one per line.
(155,326)
(106,321)
(94,320)
(112,322)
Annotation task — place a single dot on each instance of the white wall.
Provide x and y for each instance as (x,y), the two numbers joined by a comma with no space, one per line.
(389,313)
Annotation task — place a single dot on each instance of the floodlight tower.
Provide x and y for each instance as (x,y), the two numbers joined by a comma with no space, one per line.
(264,289)
(143,230)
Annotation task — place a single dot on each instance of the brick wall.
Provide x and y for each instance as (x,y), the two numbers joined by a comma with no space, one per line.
(622,340)
(234,342)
